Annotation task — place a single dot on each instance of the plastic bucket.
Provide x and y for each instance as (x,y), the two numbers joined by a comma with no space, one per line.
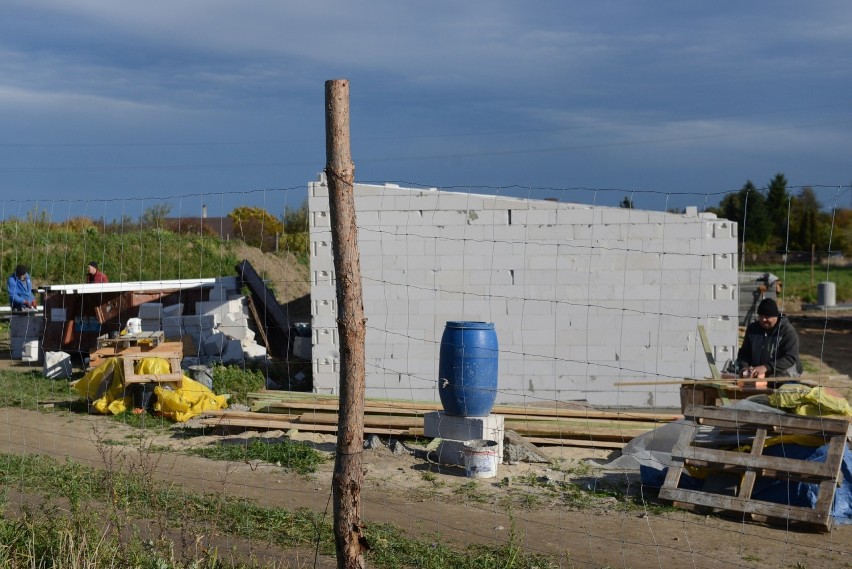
(467,369)
(142,395)
(202,374)
(480,458)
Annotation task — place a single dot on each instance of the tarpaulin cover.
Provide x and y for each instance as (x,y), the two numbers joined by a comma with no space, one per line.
(104,387)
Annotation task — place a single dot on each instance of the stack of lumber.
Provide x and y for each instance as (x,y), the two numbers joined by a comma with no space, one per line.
(557,425)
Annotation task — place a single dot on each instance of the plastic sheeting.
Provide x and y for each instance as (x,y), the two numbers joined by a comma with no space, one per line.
(104,387)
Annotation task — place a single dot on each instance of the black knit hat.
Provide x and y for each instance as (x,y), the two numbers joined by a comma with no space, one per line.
(93,264)
(21,270)
(767,307)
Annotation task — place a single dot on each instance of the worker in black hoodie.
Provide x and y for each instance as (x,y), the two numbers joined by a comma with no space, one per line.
(770,346)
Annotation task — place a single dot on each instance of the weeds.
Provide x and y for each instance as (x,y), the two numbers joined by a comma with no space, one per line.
(296,456)
(236,517)
(471,491)
(237,382)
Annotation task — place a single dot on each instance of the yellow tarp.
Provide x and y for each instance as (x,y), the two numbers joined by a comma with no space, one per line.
(810,401)
(104,387)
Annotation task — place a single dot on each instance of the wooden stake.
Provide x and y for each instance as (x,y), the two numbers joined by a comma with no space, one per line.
(348,478)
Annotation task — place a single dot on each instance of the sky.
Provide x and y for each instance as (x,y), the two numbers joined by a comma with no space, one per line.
(108,107)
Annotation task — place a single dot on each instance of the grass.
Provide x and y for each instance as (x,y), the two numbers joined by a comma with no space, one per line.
(26,389)
(126,497)
(296,456)
(237,382)
(60,254)
(800,283)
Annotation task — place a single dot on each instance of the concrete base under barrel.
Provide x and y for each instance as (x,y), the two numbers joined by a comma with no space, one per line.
(455,431)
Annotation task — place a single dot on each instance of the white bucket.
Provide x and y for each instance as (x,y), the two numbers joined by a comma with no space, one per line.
(480,458)
(134,326)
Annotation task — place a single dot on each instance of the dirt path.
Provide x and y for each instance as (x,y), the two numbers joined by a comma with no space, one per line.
(397,492)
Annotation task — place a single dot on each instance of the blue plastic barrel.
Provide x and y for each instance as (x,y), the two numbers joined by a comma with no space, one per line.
(467,369)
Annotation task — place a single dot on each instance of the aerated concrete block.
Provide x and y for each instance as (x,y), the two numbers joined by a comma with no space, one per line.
(151,310)
(455,431)
(57,365)
(173,310)
(26,326)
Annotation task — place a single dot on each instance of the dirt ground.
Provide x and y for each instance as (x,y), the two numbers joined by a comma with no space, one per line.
(428,501)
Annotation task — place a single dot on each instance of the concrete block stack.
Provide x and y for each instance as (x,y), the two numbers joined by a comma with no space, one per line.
(151,314)
(199,327)
(25,329)
(219,328)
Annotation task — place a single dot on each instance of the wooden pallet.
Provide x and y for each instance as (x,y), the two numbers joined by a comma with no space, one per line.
(755,427)
(151,339)
(169,351)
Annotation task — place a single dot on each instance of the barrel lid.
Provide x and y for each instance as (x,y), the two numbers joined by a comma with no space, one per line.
(470,325)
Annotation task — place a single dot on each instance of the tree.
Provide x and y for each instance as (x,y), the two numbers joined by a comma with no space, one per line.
(296,220)
(154,215)
(777,207)
(748,208)
(804,216)
(296,238)
(256,226)
(626,203)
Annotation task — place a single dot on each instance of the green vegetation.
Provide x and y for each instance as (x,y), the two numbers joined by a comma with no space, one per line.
(772,221)
(799,282)
(256,226)
(124,498)
(29,388)
(145,421)
(297,456)
(155,247)
(237,382)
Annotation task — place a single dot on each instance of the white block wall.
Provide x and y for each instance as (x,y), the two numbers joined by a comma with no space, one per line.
(581,297)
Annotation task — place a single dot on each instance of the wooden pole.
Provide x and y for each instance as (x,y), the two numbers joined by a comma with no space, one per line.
(813,259)
(348,476)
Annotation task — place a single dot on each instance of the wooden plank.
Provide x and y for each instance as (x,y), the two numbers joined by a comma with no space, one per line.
(750,476)
(256,317)
(276,399)
(581,443)
(778,421)
(225,421)
(802,468)
(248,415)
(708,352)
(739,505)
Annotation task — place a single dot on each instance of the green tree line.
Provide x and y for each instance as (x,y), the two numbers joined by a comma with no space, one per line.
(773,220)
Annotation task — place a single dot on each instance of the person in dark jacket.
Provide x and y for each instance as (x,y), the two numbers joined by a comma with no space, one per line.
(20,289)
(770,346)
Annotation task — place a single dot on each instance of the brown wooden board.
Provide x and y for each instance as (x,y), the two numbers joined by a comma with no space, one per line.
(747,466)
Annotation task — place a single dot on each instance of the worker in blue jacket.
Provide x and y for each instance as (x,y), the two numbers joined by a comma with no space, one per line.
(20,289)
